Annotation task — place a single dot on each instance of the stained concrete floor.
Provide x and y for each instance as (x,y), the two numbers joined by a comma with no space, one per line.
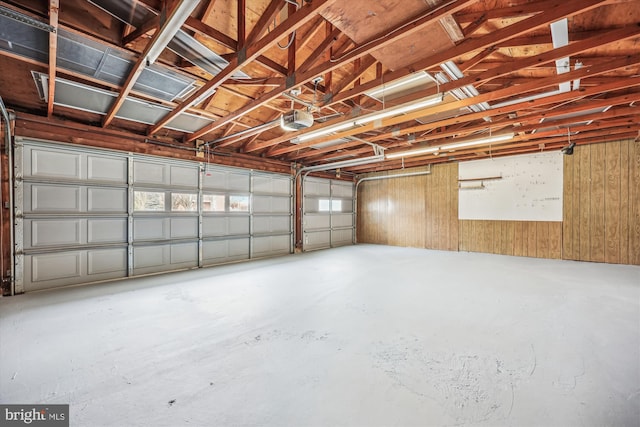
(355,336)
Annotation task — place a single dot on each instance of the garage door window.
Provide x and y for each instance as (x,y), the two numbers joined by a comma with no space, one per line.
(148,201)
(213,202)
(239,203)
(185,202)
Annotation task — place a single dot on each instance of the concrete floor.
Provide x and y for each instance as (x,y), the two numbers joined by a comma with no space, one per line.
(355,336)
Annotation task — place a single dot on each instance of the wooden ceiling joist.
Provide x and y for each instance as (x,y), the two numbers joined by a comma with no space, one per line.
(247,54)
(54,8)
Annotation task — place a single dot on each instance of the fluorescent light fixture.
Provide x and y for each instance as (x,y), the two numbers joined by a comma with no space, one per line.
(170,28)
(479,141)
(415,152)
(449,147)
(402,83)
(324,131)
(432,100)
(369,118)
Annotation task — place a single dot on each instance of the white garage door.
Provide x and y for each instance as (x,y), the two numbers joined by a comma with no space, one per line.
(327,213)
(85,215)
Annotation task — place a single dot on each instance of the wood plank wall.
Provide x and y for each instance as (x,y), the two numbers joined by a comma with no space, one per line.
(601,220)
(417,211)
(535,239)
(601,212)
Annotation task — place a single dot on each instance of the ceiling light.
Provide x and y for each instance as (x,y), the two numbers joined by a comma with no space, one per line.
(432,100)
(448,147)
(479,141)
(402,83)
(324,131)
(415,152)
(169,29)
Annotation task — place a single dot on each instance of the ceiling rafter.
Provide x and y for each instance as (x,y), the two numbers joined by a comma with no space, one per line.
(158,41)
(247,54)
(366,48)
(470,101)
(54,7)
(562,9)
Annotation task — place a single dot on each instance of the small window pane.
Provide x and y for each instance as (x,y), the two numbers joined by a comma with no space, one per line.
(213,202)
(148,201)
(239,203)
(323,205)
(186,202)
(336,205)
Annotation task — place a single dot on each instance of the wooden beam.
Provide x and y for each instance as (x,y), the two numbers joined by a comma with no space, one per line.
(150,24)
(54,7)
(141,63)
(495,95)
(562,9)
(319,52)
(249,53)
(264,21)
(242,23)
(364,49)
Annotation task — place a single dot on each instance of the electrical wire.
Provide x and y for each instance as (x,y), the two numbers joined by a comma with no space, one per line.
(293,34)
(389,35)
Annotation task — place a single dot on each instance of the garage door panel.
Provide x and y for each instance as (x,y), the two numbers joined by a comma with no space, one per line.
(271,185)
(271,245)
(108,169)
(220,251)
(47,198)
(150,256)
(317,222)
(341,237)
(149,173)
(238,182)
(62,265)
(314,187)
(107,200)
(239,225)
(185,254)
(215,226)
(182,228)
(342,190)
(41,233)
(271,204)
(317,240)
(150,229)
(54,164)
(106,230)
(342,220)
(107,261)
(271,224)
(184,176)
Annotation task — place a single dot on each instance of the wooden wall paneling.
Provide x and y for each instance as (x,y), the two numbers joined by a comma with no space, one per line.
(624,201)
(509,237)
(531,238)
(567,207)
(542,234)
(575,213)
(453,207)
(429,197)
(612,202)
(597,202)
(518,240)
(463,235)
(555,240)
(634,200)
(584,188)
(441,207)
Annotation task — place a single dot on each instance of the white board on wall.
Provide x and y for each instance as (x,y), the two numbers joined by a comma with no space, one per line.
(530,188)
